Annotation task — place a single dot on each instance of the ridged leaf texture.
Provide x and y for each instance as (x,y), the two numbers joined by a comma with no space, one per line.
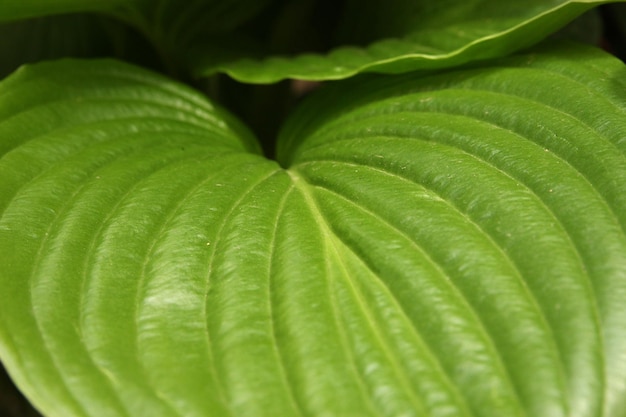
(443,246)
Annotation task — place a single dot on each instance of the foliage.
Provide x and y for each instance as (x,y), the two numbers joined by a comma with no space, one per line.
(440,230)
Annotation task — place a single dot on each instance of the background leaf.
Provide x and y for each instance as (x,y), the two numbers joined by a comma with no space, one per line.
(170,26)
(78,35)
(442,246)
(393,37)
(23,9)
(267,41)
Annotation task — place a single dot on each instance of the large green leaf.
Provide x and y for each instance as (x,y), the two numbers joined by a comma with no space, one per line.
(391,36)
(267,41)
(442,246)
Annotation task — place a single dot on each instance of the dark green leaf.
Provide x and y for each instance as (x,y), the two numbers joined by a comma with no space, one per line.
(22,9)
(267,41)
(392,37)
(74,35)
(169,25)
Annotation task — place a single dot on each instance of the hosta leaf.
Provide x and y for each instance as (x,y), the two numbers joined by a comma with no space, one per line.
(395,36)
(224,14)
(22,9)
(169,25)
(442,246)
(72,35)
(266,41)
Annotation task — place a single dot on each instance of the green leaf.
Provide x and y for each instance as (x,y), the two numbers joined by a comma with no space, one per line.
(223,13)
(442,246)
(169,25)
(74,35)
(22,9)
(392,37)
(266,41)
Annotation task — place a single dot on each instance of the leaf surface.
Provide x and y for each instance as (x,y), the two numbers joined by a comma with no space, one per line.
(442,246)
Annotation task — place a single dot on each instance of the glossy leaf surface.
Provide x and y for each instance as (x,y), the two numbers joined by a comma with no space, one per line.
(442,246)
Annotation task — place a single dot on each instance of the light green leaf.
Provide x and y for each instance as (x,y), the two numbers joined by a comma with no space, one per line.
(442,246)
